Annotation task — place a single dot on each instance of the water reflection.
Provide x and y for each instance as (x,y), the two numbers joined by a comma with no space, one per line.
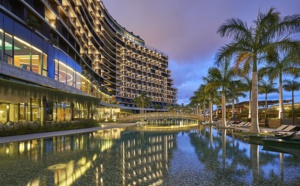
(232,161)
(202,156)
(110,157)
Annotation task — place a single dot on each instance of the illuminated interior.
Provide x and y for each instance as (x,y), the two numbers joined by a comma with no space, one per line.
(21,54)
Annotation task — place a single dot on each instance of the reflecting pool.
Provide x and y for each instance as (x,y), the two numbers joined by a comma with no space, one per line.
(199,156)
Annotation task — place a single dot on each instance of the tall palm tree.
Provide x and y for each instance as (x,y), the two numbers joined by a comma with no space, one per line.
(212,96)
(284,63)
(291,86)
(265,87)
(251,44)
(201,98)
(194,101)
(235,90)
(221,78)
(142,100)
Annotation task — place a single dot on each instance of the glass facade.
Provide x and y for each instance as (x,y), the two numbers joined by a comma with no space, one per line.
(21,54)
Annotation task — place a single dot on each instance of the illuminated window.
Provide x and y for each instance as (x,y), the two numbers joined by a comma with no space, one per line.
(8,49)
(1,41)
(22,54)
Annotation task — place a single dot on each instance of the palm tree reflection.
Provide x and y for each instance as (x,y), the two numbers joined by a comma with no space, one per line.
(231,162)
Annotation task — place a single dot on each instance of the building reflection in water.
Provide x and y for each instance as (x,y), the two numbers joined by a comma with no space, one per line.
(107,157)
(124,157)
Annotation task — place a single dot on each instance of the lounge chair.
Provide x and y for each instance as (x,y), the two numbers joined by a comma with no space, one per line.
(285,130)
(241,124)
(288,135)
(247,124)
(229,123)
(280,128)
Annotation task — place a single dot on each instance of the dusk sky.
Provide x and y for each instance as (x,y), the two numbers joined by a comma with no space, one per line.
(187,31)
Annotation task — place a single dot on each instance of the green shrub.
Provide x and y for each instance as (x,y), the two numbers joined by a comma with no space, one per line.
(27,128)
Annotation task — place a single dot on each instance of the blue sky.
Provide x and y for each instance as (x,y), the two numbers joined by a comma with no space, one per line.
(187,31)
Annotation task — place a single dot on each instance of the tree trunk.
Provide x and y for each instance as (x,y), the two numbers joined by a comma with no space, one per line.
(254,106)
(232,110)
(223,110)
(210,111)
(293,117)
(281,110)
(249,115)
(266,106)
(204,110)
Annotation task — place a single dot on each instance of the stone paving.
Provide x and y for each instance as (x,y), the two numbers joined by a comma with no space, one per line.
(62,133)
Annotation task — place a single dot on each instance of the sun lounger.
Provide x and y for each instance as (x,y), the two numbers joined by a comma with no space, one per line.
(241,124)
(247,124)
(297,133)
(284,135)
(229,123)
(287,129)
(280,128)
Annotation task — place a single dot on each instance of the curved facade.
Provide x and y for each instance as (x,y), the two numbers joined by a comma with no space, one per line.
(136,66)
(76,46)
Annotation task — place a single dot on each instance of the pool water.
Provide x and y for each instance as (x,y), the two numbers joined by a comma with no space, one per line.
(199,156)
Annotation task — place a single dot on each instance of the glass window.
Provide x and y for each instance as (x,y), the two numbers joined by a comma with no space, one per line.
(35,110)
(85,86)
(62,73)
(78,81)
(21,54)
(3,113)
(8,44)
(28,57)
(45,66)
(22,115)
(13,112)
(1,40)
(36,60)
(56,70)
(70,76)
(8,52)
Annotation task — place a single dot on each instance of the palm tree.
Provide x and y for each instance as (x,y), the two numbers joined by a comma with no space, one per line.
(142,100)
(286,63)
(213,98)
(266,88)
(201,98)
(194,100)
(291,86)
(172,107)
(251,44)
(235,90)
(221,78)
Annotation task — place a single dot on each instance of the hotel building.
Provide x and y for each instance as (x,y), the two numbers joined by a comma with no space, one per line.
(62,56)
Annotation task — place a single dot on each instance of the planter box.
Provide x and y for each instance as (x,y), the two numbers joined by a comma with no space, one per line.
(274,123)
(290,122)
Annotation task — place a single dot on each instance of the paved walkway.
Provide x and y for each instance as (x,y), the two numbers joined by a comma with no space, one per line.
(62,133)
